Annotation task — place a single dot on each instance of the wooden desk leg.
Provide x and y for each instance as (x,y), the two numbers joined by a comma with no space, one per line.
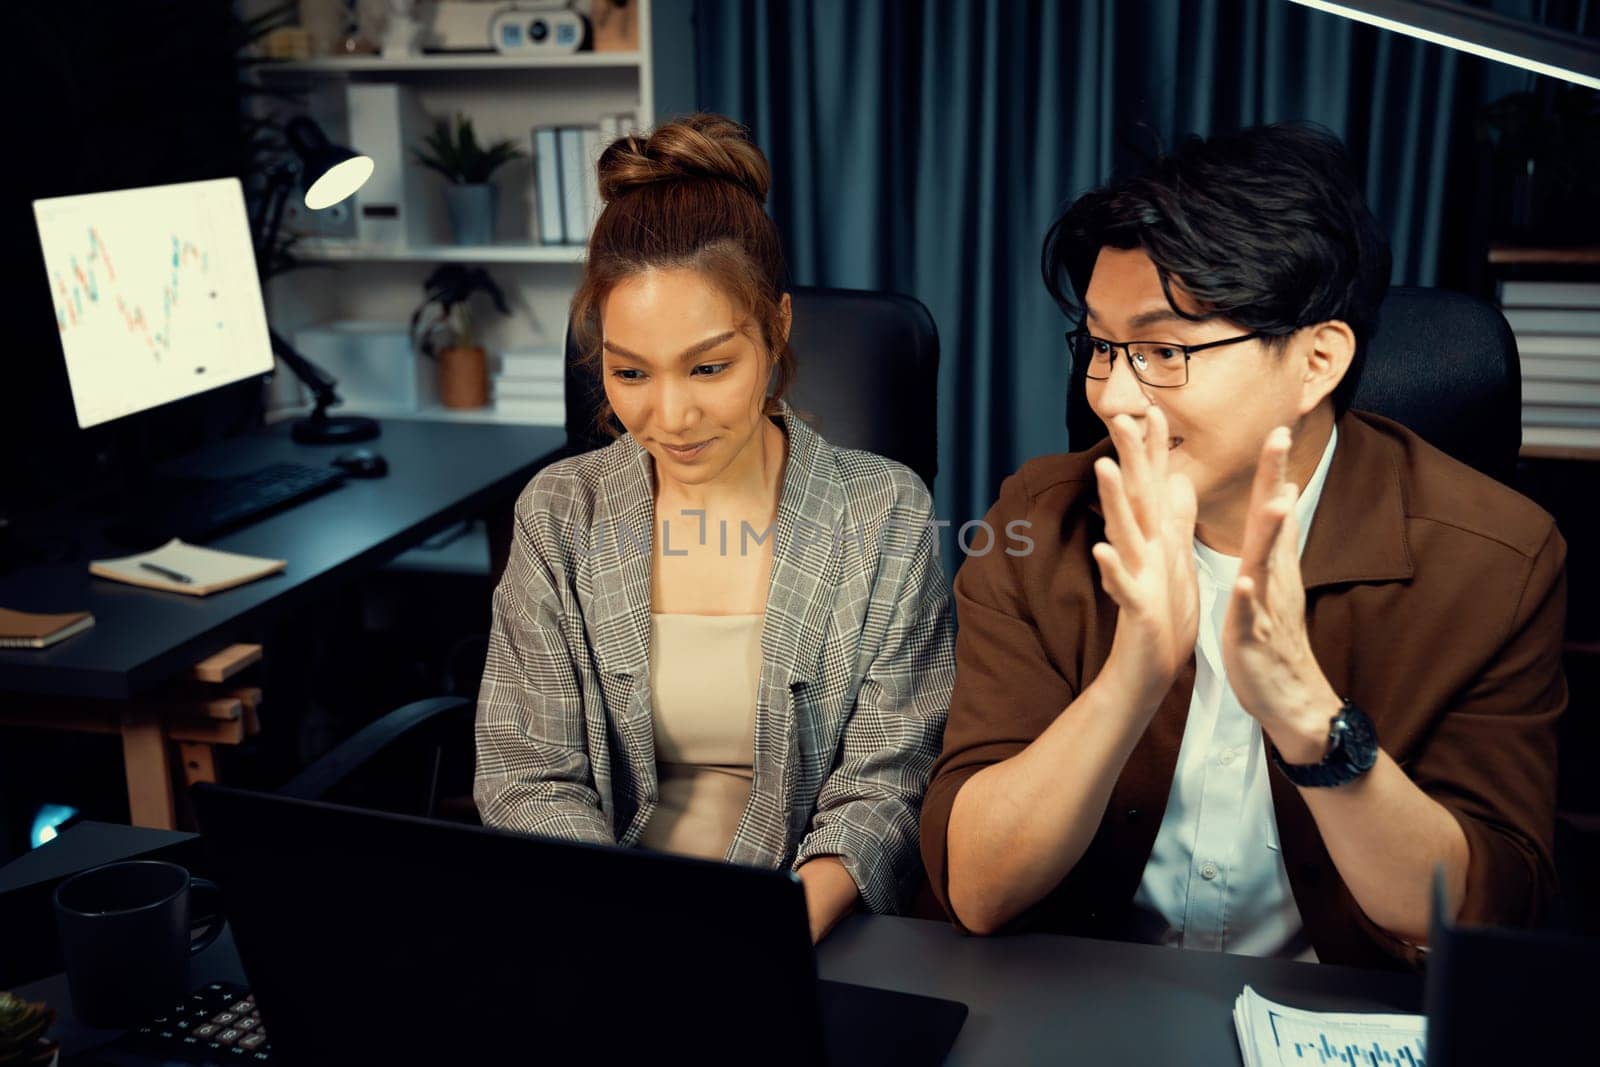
(144,760)
(199,764)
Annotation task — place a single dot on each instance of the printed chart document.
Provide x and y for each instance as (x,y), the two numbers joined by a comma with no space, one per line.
(179,567)
(1274,1035)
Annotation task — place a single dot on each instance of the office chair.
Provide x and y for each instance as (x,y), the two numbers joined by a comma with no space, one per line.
(416,760)
(1442,364)
(867,377)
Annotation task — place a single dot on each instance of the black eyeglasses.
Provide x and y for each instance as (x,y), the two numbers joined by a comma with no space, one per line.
(1158,364)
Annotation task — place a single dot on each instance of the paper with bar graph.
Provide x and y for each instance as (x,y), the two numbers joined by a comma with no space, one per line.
(1275,1035)
(156,294)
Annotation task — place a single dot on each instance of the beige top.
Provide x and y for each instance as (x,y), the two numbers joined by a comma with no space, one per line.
(704,673)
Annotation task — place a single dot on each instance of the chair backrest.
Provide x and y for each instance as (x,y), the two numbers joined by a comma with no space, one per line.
(1442,364)
(416,760)
(867,376)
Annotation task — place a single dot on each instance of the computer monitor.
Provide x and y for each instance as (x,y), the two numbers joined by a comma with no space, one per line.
(1503,995)
(156,294)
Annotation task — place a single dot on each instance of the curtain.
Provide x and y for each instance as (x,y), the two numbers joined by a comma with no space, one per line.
(924,147)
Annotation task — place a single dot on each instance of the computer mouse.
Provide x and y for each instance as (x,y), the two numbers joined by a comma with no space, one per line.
(362,463)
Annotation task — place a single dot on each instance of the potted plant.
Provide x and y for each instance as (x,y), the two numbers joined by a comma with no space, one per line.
(22,1029)
(442,330)
(470,198)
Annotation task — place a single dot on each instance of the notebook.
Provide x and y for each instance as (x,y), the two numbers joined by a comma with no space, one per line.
(179,567)
(24,629)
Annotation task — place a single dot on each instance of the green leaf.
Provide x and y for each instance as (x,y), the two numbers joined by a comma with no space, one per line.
(444,317)
(22,1024)
(459,155)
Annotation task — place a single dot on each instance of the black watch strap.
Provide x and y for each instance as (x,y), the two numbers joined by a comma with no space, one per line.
(1352,751)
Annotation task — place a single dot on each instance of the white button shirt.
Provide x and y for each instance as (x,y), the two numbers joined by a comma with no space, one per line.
(1215,879)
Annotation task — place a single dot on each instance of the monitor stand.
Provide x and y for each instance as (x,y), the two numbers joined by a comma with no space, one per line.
(146,515)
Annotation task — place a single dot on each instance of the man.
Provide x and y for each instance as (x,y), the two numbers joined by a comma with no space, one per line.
(1269,661)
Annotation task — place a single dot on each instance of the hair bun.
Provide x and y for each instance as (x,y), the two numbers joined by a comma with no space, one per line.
(699,146)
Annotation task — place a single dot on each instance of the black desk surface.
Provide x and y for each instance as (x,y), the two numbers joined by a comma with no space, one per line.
(1033,998)
(1041,998)
(439,473)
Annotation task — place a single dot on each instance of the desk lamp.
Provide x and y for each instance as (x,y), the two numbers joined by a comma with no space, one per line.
(327,173)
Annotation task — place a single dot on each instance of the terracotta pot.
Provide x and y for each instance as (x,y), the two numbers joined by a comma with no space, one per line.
(464,377)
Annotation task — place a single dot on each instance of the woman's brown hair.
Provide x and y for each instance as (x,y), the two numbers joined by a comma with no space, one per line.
(687,196)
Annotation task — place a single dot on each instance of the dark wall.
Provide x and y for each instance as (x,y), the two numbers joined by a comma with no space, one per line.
(113,95)
(672,53)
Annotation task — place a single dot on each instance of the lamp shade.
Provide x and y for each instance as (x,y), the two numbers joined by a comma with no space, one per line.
(330,172)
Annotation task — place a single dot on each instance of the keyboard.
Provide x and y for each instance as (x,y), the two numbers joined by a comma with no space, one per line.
(218,1024)
(198,509)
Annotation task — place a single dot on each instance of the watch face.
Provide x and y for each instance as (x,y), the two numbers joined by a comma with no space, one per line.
(1358,740)
(1352,752)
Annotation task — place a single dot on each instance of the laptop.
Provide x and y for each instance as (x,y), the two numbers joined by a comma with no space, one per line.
(369,937)
(1497,996)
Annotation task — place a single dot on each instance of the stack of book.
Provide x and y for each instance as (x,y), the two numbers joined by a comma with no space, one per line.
(1557,325)
(566,184)
(530,386)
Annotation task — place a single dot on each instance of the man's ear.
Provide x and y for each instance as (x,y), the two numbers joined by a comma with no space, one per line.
(1326,349)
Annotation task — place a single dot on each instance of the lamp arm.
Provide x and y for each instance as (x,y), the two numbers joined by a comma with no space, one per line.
(280,182)
(319,381)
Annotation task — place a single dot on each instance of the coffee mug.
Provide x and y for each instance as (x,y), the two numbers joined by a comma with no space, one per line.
(126,938)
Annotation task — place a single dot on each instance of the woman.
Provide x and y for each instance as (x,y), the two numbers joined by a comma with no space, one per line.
(719,636)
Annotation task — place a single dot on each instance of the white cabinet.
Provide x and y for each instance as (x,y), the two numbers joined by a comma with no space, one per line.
(505,97)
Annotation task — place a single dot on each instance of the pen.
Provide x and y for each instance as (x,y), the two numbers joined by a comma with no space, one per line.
(166,572)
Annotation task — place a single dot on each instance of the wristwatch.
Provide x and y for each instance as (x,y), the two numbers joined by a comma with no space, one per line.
(1352,751)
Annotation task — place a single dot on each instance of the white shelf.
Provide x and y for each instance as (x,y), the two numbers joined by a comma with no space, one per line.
(462,62)
(328,251)
(440,413)
(507,96)
(430,413)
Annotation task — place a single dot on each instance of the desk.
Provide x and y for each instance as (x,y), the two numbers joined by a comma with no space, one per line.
(1032,999)
(1049,999)
(439,474)
(1036,998)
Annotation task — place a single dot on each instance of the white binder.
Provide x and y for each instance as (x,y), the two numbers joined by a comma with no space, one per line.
(547,185)
(399,204)
(574,209)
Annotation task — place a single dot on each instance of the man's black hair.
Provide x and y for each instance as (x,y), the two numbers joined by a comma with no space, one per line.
(1266,228)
